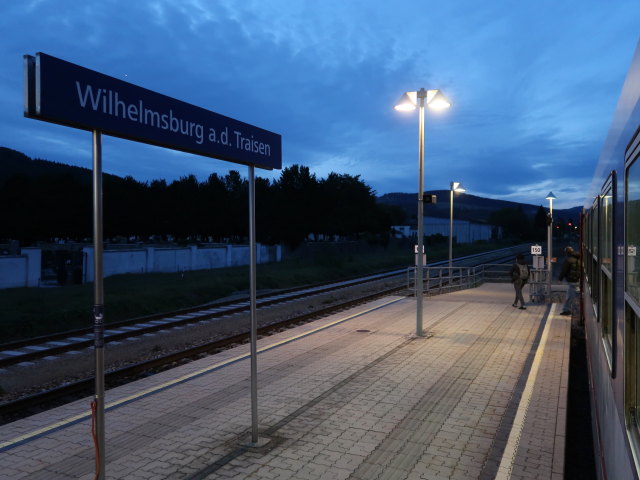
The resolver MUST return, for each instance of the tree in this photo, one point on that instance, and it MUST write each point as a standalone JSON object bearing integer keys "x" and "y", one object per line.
{"x": 212, "y": 207}
{"x": 236, "y": 207}
{"x": 297, "y": 200}
{"x": 349, "y": 204}
{"x": 266, "y": 212}
{"x": 43, "y": 200}
{"x": 515, "y": 224}
{"x": 126, "y": 207}
{"x": 182, "y": 203}
{"x": 540, "y": 224}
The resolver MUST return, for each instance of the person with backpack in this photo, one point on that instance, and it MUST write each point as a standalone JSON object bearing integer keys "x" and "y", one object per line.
{"x": 571, "y": 272}
{"x": 519, "y": 276}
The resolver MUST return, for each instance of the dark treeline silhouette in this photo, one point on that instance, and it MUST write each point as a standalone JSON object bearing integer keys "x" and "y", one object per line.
{"x": 58, "y": 204}
{"x": 517, "y": 225}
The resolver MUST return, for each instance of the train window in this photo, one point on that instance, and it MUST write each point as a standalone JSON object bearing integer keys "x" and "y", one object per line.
{"x": 606, "y": 231}
{"x": 592, "y": 248}
{"x": 606, "y": 254}
{"x": 593, "y": 259}
{"x": 632, "y": 359}
{"x": 588, "y": 240}
{"x": 606, "y": 310}
{"x": 632, "y": 234}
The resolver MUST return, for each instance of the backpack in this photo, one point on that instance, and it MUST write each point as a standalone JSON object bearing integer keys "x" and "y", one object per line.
{"x": 524, "y": 271}
{"x": 574, "y": 271}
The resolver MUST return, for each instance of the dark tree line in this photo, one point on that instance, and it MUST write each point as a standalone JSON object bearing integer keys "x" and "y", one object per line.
{"x": 517, "y": 225}
{"x": 288, "y": 210}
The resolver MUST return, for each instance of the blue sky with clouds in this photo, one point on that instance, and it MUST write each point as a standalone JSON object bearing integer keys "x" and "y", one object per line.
{"x": 533, "y": 84}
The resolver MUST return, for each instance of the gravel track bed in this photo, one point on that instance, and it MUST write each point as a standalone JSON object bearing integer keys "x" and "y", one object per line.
{"x": 26, "y": 379}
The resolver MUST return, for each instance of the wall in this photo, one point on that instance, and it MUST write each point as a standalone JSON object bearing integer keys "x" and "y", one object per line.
{"x": 21, "y": 270}
{"x": 169, "y": 260}
{"x": 24, "y": 270}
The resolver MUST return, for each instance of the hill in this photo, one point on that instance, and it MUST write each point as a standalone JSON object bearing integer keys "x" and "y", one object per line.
{"x": 469, "y": 207}
{"x": 14, "y": 163}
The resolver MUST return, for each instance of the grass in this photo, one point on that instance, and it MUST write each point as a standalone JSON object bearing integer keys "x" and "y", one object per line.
{"x": 31, "y": 312}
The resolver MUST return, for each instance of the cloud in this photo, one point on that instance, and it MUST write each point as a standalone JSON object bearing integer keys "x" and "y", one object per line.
{"x": 533, "y": 88}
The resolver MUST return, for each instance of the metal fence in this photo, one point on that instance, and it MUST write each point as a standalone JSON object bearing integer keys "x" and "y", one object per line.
{"x": 443, "y": 279}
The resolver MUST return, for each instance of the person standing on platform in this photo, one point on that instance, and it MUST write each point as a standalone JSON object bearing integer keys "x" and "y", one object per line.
{"x": 571, "y": 272}
{"x": 519, "y": 276}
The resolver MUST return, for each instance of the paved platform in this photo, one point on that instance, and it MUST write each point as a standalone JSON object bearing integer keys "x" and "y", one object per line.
{"x": 352, "y": 396}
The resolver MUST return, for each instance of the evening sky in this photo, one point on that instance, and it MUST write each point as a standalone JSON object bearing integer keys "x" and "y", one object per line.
{"x": 534, "y": 85}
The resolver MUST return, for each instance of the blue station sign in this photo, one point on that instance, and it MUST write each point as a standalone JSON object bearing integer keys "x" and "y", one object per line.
{"x": 61, "y": 92}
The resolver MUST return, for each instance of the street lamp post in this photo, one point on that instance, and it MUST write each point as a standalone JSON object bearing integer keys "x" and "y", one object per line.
{"x": 409, "y": 101}
{"x": 551, "y": 197}
{"x": 455, "y": 187}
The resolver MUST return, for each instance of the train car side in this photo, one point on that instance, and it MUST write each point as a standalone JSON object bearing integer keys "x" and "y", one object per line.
{"x": 611, "y": 289}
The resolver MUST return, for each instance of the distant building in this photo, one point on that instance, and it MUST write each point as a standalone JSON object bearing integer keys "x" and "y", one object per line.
{"x": 464, "y": 231}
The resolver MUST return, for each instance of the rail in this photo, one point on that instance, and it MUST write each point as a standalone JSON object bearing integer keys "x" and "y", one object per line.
{"x": 464, "y": 277}
{"x": 54, "y": 344}
{"x": 442, "y": 279}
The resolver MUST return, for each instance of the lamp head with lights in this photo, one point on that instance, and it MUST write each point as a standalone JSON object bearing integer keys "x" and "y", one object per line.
{"x": 408, "y": 101}
{"x": 551, "y": 197}
{"x": 457, "y": 187}
{"x": 434, "y": 99}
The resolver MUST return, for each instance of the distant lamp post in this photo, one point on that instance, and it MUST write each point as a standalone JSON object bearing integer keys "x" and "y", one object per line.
{"x": 455, "y": 187}
{"x": 409, "y": 101}
{"x": 551, "y": 197}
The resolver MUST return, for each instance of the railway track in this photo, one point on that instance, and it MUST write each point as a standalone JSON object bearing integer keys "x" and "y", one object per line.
{"x": 43, "y": 347}
{"x": 36, "y": 348}
{"x": 50, "y": 345}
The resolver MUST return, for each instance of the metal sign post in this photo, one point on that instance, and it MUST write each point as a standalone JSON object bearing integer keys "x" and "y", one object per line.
{"x": 98, "y": 303}
{"x": 254, "y": 321}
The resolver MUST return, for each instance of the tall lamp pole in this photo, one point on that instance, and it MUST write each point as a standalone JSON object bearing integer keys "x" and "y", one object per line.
{"x": 551, "y": 197}
{"x": 455, "y": 187}
{"x": 409, "y": 101}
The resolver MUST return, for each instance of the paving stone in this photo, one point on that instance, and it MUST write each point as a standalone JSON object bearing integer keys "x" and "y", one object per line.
{"x": 337, "y": 404}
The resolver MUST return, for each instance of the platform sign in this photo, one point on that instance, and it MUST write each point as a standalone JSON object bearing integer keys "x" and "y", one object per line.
{"x": 538, "y": 262}
{"x": 536, "y": 250}
{"x": 424, "y": 255}
{"x": 61, "y": 92}
{"x": 64, "y": 93}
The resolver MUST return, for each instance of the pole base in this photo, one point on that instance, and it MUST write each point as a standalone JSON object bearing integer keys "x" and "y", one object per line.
{"x": 261, "y": 443}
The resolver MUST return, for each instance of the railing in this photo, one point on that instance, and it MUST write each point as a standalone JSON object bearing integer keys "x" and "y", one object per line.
{"x": 539, "y": 287}
{"x": 437, "y": 280}
{"x": 443, "y": 279}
